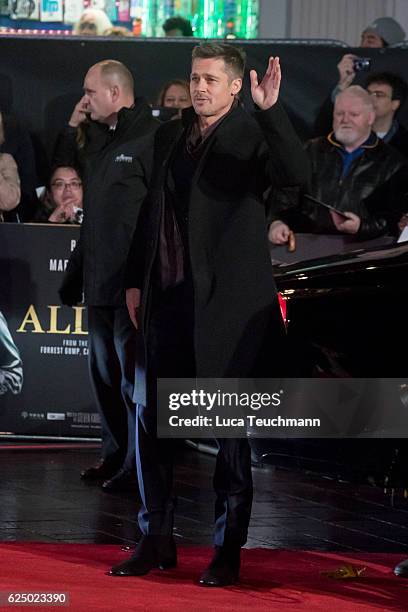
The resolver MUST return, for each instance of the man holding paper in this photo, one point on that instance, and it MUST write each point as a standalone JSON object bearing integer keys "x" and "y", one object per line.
{"x": 358, "y": 182}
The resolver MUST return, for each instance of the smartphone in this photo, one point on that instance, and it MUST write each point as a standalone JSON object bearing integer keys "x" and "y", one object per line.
{"x": 327, "y": 206}
{"x": 164, "y": 113}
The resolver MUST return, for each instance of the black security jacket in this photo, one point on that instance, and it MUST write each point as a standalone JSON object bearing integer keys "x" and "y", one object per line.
{"x": 116, "y": 170}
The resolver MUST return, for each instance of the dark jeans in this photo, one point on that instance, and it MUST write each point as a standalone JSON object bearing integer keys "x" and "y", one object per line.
{"x": 171, "y": 355}
{"x": 112, "y": 367}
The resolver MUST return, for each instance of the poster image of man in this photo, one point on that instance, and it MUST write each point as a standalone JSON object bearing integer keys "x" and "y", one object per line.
{"x": 11, "y": 366}
{"x": 24, "y": 9}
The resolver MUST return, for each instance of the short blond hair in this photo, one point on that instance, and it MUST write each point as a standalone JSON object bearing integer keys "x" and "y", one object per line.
{"x": 98, "y": 16}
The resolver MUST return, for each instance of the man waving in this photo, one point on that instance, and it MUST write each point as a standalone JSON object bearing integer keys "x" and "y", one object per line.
{"x": 200, "y": 284}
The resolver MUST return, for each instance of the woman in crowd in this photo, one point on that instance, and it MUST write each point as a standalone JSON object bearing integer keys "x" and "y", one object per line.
{"x": 175, "y": 94}
{"x": 62, "y": 201}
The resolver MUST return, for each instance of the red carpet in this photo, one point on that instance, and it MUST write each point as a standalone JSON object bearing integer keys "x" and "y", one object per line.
{"x": 271, "y": 580}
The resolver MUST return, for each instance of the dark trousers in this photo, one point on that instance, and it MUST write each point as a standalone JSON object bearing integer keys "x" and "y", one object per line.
{"x": 112, "y": 367}
{"x": 171, "y": 355}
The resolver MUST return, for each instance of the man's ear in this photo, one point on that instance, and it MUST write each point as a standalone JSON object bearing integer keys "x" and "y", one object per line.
{"x": 395, "y": 104}
{"x": 236, "y": 86}
{"x": 114, "y": 93}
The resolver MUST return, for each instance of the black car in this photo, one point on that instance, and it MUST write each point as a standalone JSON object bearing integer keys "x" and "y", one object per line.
{"x": 346, "y": 317}
{"x": 346, "y": 314}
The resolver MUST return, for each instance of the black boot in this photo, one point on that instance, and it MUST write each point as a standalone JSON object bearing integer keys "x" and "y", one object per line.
{"x": 224, "y": 567}
{"x": 151, "y": 552}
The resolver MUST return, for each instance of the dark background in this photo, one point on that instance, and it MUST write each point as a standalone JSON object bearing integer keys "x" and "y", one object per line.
{"x": 41, "y": 79}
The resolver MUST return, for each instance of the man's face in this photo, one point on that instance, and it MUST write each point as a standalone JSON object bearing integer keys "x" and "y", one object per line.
{"x": 98, "y": 96}
{"x": 352, "y": 120}
{"x": 66, "y": 187}
{"x": 212, "y": 88}
{"x": 381, "y": 95}
{"x": 371, "y": 40}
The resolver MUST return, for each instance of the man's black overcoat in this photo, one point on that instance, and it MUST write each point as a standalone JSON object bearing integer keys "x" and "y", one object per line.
{"x": 237, "y": 321}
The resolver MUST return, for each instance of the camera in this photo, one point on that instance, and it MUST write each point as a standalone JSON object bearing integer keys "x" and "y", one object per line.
{"x": 78, "y": 215}
{"x": 362, "y": 64}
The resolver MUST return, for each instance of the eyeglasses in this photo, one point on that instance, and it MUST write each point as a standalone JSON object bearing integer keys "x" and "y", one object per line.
{"x": 379, "y": 94}
{"x": 60, "y": 185}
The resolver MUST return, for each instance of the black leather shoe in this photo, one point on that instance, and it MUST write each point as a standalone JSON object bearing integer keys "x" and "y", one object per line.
{"x": 124, "y": 480}
{"x": 401, "y": 569}
{"x": 223, "y": 569}
{"x": 151, "y": 552}
{"x": 100, "y": 471}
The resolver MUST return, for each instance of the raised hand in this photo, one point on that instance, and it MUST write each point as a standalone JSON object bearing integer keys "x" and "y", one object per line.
{"x": 265, "y": 94}
{"x": 346, "y": 71}
{"x": 79, "y": 113}
{"x": 63, "y": 213}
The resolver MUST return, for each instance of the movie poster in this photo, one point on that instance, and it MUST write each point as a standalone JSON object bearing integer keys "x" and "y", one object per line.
{"x": 24, "y": 9}
{"x": 44, "y": 386}
{"x": 136, "y": 9}
{"x": 111, "y": 10}
{"x": 123, "y": 10}
{"x": 98, "y": 4}
{"x": 73, "y": 9}
{"x": 51, "y": 10}
{"x": 5, "y": 7}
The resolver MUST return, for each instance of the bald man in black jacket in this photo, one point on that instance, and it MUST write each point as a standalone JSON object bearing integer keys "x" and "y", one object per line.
{"x": 116, "y": 162}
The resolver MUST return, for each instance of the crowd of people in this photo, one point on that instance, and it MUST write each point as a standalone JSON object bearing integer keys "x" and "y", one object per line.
{"x": 24, "y": 199}
{"x": 358, "y": 133}
{"x": 95, "y": 22}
